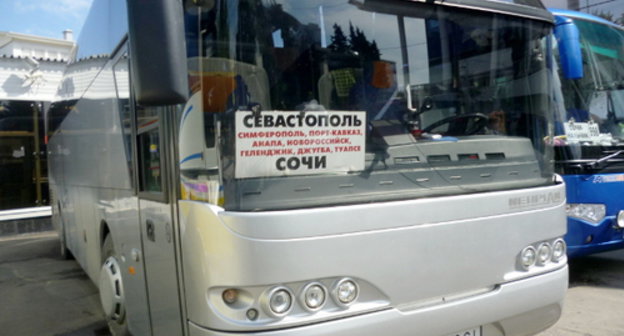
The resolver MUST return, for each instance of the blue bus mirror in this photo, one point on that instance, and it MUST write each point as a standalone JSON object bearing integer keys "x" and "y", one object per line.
{"x": 568, "y": 40}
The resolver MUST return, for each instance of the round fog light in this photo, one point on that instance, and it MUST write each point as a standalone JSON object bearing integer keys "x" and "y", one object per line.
{"x": 346, "y": 292}
{"x": 620, "y": 219}
{"x": 559, "y": 250}
{"x": 544, "y": 253}
{"x": 314, "y": 295}
{"x": 280, "y": 301}
{"x": 528, "y": 256}
{"x": 230, "y": 296}
{"x": 252, "y": 314}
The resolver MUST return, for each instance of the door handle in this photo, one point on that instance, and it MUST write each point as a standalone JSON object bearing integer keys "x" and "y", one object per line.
{"x": 150, "y": 230}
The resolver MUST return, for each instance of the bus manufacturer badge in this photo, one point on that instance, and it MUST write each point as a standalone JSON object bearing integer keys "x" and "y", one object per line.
{"x": 536, "y": 200}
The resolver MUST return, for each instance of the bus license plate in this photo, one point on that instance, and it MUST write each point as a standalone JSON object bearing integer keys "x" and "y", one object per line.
{"x": 469, "y": 332}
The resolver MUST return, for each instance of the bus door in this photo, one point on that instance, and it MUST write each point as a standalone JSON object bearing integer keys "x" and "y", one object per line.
{"x": 157, "y": 222}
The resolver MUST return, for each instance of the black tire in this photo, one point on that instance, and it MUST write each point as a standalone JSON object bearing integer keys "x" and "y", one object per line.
{"x": 117, "y": 327}
{"x": 65, "y": 252}
{"x": 57, "y": 217}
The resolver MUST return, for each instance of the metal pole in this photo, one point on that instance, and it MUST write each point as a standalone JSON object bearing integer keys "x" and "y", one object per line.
{"x": 37, "y": 154}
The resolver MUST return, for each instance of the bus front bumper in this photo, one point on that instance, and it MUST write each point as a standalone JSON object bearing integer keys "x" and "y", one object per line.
{"x": 584, "y": 238}
{"x": 522, "y": 307}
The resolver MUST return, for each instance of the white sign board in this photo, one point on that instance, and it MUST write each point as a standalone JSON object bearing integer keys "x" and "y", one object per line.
{"x": 581, "y": 132}
{"x": 285, "y": 143}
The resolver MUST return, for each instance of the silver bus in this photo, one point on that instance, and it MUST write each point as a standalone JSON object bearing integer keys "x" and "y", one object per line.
{"x": 322, "y": 167}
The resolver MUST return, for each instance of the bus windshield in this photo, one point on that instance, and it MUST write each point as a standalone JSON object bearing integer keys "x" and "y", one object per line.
{"x": 592, "y": 122}
{"x": 603, "y": 47}
{"x": 304, "y": 104}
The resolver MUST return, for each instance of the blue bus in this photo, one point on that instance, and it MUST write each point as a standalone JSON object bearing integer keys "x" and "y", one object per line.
{"x": 589, "y": 150}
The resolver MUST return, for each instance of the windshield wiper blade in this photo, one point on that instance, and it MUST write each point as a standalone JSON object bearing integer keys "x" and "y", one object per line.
{"x": 616, "y": 84}
{"x": 602, "y": 162}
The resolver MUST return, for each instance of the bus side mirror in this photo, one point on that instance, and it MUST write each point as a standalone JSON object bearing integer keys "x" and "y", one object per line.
{"x": 157, "y": 52}
{"x": 568, "y": 40}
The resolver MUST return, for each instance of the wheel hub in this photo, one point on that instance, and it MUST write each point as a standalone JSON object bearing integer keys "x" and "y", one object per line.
{"x": 111, "y": 290}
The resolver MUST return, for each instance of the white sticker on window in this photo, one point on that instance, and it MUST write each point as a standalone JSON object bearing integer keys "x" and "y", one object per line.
{"x": 283, "y": 143}
{"x": 585, "y": 132}
{"x": 579, "y": 131}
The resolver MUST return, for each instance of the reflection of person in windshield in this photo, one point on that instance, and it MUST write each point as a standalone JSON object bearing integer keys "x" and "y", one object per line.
{"x": 496, "y": 122}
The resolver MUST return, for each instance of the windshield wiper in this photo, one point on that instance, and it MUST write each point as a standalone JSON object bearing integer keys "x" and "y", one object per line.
{"x": 600, "y": 163}
{"x": 616, "y": 84}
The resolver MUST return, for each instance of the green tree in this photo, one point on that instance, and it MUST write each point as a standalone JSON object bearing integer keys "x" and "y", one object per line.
{"x": 356, "y": 43}
{"x": 359, "y": 44}
{"x": 339, "y": 42}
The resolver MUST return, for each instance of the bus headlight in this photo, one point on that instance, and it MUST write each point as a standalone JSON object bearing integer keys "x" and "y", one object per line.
{"x": 278, "y": 301}
{"x": 528, "y": 256}
{"x": 544, "y": 253}
{"x": 345, "y": 292}
{"x": 590, "y": 212}
{"x": 313, "y": 296}
{"x": 559, "y": 250}
{"x": 620, "y": 219}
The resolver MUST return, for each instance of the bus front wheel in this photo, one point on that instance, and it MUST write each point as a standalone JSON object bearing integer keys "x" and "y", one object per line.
{"x": 112, "y": 291}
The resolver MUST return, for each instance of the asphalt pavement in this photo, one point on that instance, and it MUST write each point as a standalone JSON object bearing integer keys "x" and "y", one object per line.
{"x": 594, "y": 304}
{"x": 41, "y": 294}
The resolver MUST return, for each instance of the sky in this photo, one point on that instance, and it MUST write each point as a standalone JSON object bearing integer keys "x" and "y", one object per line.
{"x": 48, "y": 18}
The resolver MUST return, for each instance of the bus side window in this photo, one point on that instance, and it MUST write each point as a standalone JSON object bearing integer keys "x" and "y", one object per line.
{"x": 120, "y": 73}
{"x": 149, "y": 151}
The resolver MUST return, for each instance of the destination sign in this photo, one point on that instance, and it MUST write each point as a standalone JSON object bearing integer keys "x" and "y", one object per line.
{"x": 285, "y": 143}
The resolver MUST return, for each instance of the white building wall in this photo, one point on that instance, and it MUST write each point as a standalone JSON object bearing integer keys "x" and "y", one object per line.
{"x": 37, "y": 50}
{"x": 22, "y": 45}
{"x": 21, "y": 81}
{"x": 79, "y": 77}
{"x": 31, "y": 67}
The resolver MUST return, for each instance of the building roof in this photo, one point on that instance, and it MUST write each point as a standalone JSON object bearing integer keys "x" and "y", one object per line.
{"x": 36, "y": 58}
{"x": 33, "y": 38}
